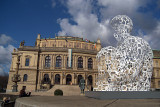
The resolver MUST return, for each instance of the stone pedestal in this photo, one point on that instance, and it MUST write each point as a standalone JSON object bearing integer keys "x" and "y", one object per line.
{"x": 14, "y": 88}
{"x": 123, "y": 94}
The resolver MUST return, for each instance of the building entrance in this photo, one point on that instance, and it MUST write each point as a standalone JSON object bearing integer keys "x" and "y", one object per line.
{"x": 68, "y": 79}
{"x": 57, "y": 79}
{"x": 79, "y": 78}
{"x": 90, "y": 80}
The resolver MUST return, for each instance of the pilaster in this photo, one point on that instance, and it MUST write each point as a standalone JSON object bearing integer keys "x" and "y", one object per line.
{"x": 53, "y": 61}
{"x": 61, "y": 79}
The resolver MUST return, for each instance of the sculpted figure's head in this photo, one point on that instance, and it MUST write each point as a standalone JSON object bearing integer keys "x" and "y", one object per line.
{"x": 122, "y": 24}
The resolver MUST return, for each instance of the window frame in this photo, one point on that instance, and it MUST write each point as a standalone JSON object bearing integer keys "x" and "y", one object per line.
{"x": 80, "y": 62}
{"x": 48, "y": 61}
{"x": 27, "y": 61}
{"x": 90, "y": 63}
{"x": 58, "y": 62}
{"x": 46, "y": 78}
{"x": 25, "y": 78}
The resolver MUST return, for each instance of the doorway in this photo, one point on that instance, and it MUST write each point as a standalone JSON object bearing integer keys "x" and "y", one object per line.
{"x": 68, "y": 79}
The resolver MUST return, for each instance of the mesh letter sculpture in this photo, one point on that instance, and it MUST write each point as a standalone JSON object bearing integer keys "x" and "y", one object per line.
{"x": 127, "y": 67}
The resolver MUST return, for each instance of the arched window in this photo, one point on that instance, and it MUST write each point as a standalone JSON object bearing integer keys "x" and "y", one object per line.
{"x": 71, "y": 62}
{"x": 46, "y": 78}
{"x": 90, "y": 63}
{"x": 57, "y": 79}
{"x": 80, "y": 62}
{"x": 25, "y": 77}
{"x": 58, "y": 61}
{"x": 47, "y": 61}
{"x": 27, "y": 62}
{"x": 79, "y": 78}
{"x": 90, "y": 80}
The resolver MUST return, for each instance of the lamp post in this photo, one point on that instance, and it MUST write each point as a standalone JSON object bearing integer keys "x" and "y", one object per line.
{"x": 16, "y": 77}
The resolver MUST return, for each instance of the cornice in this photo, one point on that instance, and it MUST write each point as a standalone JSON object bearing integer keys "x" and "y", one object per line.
{"x": 57, "y": 49}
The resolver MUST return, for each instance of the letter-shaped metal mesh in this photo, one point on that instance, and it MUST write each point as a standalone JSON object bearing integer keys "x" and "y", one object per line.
{"x": 127, "y": 67}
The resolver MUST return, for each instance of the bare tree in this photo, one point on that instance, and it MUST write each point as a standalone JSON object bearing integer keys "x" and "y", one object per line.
{"x": 3, "y": 82}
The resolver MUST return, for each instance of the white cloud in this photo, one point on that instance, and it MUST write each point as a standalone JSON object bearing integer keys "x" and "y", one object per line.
{"x": 4, "y": 39}
{"x": 90, "y": 24}
{"x": 2, "y": 72}
{"x": 87, "y": 24}
{"x": 5, "y": 53}
{"x": 5, "y": 59}
{"x": 154, "y": 37}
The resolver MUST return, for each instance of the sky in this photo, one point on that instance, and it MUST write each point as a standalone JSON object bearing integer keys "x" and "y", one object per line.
{"x": 25, "y": 19}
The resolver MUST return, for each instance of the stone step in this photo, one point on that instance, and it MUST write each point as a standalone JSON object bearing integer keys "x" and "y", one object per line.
{"x": 68, "y": 90}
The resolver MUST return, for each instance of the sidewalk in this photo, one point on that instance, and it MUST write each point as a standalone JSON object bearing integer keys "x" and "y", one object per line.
{"x": 81, "y": 101}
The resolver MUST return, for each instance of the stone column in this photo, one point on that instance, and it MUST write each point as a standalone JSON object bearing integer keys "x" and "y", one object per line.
{"x": 75, "y": 62}
{"x": 63, "y": 61}
{"x": 35, "y": 60}
{"x": 51, "y": 66}
{"x": 42, "y": 61}
{"x": 72, "y": 61}
{"x": 61, "y": 79}
{"x": 76, "y": 79}
{"x": 53, "y": 77}
{"x": 96, "y": 76}
{"x": 50, "y": 75}
{"x": 20, "y": 65}
{"x": 94, "y": 62}
{"x": 84, "y": 62}
{"x": 86, "y": 79}
{"x": 41, "y": 77}
{"x": 53, "y": 61}
{"x": 64, "y": 78}
{"x": 93, "y": 80}
{"x": 72, "y": 74}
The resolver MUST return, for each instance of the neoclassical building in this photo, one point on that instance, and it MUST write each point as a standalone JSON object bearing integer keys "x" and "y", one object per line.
{"x": 155, "y": 82}
{"x": 63, "y": 61}
{"x": 46, "y": 64}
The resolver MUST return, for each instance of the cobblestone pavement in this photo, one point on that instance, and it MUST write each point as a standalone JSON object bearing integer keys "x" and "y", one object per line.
{"x": 82, "y": 101}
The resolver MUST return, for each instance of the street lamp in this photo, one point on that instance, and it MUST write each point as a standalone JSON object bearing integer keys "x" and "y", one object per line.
{"x": 16, "y": 77}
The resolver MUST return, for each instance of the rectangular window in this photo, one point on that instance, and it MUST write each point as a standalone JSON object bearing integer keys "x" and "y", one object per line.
{"x": 27, "y": 62}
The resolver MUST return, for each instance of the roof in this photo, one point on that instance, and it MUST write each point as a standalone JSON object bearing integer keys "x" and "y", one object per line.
{"x": 67, "y": 38}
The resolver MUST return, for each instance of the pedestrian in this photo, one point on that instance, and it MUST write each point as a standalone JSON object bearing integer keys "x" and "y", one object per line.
{"x": 23, "y": 92}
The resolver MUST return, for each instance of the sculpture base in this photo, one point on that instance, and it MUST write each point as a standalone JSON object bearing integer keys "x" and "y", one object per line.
{"x": 123, "y": 94}
{"x": 14, "y": 88}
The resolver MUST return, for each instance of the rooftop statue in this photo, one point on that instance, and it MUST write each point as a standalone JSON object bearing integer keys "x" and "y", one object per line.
{"x": 127, "y": 67}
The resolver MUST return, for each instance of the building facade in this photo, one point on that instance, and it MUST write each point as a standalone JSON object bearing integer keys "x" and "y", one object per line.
{"x": 46, "y": 64}
{"x": 155, "y": 82}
